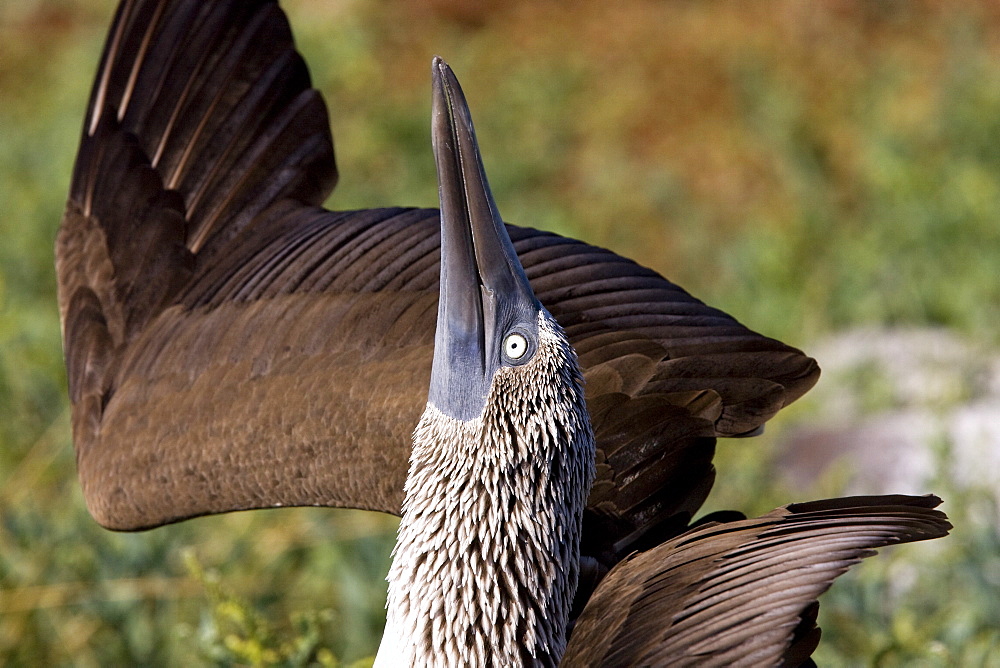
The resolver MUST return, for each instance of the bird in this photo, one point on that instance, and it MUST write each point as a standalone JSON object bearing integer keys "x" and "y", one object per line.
{"x": 232, "y": 345}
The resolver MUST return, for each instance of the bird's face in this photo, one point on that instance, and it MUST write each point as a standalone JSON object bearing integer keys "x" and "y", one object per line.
{"x": 488, "y": 316}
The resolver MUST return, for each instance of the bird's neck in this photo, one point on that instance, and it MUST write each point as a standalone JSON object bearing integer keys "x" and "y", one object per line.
{"x": 486, "y": 562}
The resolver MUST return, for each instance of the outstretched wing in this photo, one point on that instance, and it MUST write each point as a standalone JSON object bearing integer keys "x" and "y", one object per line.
{"x": 740, "y": 593}
{"x": 231, "y": 345}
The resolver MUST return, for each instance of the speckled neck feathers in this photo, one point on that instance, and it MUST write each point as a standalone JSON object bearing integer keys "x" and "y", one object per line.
{"x": 486, "y": 563}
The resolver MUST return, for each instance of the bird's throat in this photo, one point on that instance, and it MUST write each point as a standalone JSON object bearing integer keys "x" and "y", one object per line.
{"x": 486, "y": 562}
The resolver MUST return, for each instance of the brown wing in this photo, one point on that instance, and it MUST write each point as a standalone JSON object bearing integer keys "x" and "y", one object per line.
{"x": 201, "y": 115}
{"x": 743, "y": 592}
{"x": 230, "y": 345}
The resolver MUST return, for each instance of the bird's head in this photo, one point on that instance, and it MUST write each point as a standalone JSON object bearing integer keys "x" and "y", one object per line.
{"x": 496, "y": 347}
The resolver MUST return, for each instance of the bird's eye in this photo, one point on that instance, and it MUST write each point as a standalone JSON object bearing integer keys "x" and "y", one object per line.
{"x": 515, "y": 346}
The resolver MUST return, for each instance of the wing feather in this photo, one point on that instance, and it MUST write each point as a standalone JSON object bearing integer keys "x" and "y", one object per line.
{"x": 740, "y": 593}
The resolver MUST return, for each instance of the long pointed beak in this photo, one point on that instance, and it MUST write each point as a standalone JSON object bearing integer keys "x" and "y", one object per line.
{"x": 484, "y": 291}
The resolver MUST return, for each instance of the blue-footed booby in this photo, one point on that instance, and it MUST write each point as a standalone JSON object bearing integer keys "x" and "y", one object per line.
{"x": 230, "y": 345}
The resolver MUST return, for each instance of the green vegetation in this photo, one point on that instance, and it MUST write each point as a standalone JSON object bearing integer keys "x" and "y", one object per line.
{"x": 808, "y": 167}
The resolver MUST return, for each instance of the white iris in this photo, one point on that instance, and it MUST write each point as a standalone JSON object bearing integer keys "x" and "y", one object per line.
{"x": 515, "y": 346}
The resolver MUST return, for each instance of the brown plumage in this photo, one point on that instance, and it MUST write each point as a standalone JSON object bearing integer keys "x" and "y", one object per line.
{"x": 231, "y": 345}
{"x": 720, "y": 594}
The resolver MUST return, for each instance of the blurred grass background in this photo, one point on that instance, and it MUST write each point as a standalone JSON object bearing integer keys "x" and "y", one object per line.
{"x": 808, "y": 167}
